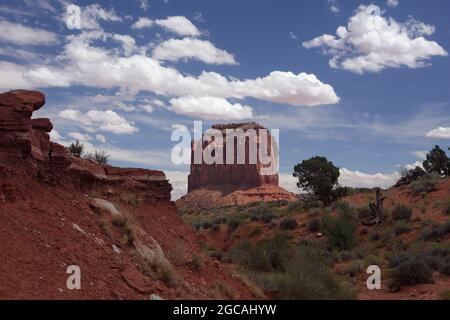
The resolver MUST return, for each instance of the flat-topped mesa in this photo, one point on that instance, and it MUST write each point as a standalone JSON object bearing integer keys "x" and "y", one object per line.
{"x": 228, "y": 177}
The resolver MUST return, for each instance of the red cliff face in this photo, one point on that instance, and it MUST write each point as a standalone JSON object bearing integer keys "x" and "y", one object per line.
{"x": 117, "y": 224}
{"x": 231, "y": 177}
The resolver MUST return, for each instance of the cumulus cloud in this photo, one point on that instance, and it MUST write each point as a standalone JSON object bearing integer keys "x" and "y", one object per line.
{"x": 142, "y": 23}
{"x": 440, "y": 133}
{"x": 83, "y": 64}
{"x": 176, "y": 24}
{"x": 19, "y": 34}
{"x": 95, "y": 120}
{"x": 210, "y": 108}
{"x": 392, "y": 3}
{"x": 371, "y": 42}
{"x": 359, "y": 179}
{"x": 192, "y": 49}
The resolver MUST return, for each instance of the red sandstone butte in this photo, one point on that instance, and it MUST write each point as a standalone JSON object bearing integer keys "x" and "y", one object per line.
{"x": 212, "y": 185}
{"x": 230, "y": 177}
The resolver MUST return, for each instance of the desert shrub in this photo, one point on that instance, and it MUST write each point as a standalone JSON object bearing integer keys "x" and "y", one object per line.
{"x": 267, "y": 218}
{"x": 343, "y": 207}
{"x": 410, "y": 272}
{"x": 266, "y": 256}
{"x": 401, "y": 227}
{"x": 215, "y": 227}
{"x": 401, "y": 212}
{"x": 408, "y": 176}
{"x": 295, "y": 206}
{"x": 77, "y": 148}
{"x": 196, "y": 263}
{"x": 353, "y": 268}
{"x": 435, "y": 232}
{"x": 99, "y": 156}
{"x": 305, "y": 276}
{"x": 233, "y": 223}
{"x": 288, "y": 224}
{"x": 341, "y": 231}
{"x": 314, "y": 225}
{"x": 425, "y": 185}
{"x": 128, "y": 228}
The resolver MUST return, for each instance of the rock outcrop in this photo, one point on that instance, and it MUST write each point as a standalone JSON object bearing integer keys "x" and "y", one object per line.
{"x": 117, "y": 224}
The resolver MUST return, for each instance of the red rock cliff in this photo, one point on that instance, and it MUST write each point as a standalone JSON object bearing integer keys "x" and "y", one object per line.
{"x": 231, "y": 177}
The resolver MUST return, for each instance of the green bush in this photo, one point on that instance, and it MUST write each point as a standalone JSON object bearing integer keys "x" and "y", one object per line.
{"x": 425, "y": 185}
{"x": 340, "y": 231}
{"x": 288, "y": 224}
{"x": 411, "y": 272}
{"x": 401, "y": 212}
{"x": 99, "y": 156}
{"x": 76, "y": 149}
{"x": 435, "y": 232}
{"x": 401, "y": 227}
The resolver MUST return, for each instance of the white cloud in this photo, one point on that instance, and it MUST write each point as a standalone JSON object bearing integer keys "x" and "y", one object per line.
{"x": 392, "y": 3}
{"x": 359, "y": 179}
{"x": 142, "y": 23}
{"x": 192, "y": 49}
{"x": 371, "y": 43}
{"x": 79, "y": 136}
{"x": 334, "y": 6}
{"x": 100, "y": 138}
{"x": 92, "y": 14}
{"x": 95, "y": 120}
{"x": 348, "y": 178}
{"x": 179, "y": 182}
{"x": 420, "y": 154}
{"x": 210, "y": 108}
{"x": 128, "y": 43}
{"x": 177, "y": 24}
{"x": 19, "y": 34}
{"x": 55, "y": 136}
{"x": 83, "y": 64}
{"x": 440, "y": 133}
{"x": 144, "y": 4}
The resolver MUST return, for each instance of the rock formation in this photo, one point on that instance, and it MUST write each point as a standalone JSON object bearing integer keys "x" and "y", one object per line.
{"x": 215, "y": 184}
{"x": 118, "y": 225}
{"x": 230, "y": 177}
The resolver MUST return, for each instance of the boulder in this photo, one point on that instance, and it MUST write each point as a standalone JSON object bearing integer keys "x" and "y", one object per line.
{"x": 103, "y": 206}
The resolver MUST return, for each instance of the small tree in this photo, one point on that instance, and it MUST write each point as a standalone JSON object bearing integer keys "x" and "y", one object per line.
{"x": 77, "y": 148}
{"x": 318, "y": 176}
{"x": 437, "y": 162}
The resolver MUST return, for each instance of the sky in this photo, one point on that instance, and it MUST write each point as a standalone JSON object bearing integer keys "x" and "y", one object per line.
{"x": 365, "y": 84}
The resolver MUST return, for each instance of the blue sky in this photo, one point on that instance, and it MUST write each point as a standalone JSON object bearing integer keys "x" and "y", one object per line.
{"x": 372, "y": 95}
